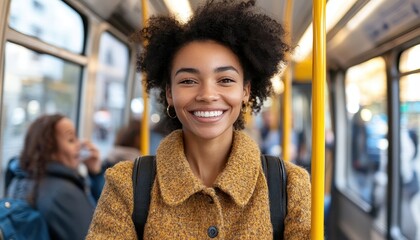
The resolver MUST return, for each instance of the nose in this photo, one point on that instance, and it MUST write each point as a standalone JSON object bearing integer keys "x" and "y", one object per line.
{"x": 207, "y": 92}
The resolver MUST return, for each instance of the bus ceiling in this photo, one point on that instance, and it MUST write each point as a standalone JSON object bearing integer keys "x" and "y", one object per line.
{"x": 358, "y": 28}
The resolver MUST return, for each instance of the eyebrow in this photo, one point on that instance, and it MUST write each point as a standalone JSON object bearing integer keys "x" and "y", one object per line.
{"x": 217, "y": 70}
{"x": 226, "y": 68}
{"x": 69, "y": 132}
{"x": 187, "y": 70}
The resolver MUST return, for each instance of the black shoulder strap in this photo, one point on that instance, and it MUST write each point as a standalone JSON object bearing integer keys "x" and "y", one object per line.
{"x": 144, "y": 172}
{"x": 275, "y": 174}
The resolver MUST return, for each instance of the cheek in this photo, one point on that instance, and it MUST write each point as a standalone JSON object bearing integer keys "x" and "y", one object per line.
{"x": 180, "y": 98}
{"x": 236, "y": 100}
{"x": 70, "y": 150}
{"x": 75, "y": 149}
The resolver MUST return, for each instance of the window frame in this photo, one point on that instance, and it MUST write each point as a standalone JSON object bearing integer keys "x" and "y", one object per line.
{"x": 397, "y": 180}
{"x": 94, "y": 25}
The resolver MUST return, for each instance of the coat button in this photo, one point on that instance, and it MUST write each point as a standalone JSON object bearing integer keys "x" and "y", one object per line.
{"x": 212, "y": 232}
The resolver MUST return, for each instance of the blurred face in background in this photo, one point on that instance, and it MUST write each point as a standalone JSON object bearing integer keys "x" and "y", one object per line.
{"x": 269, "y": 119}
{"x": 68, "y": 145}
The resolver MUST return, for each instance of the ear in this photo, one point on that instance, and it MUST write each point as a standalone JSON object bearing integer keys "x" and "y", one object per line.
{"x": 169, "y": 95}
{"x": 247, "y": 91}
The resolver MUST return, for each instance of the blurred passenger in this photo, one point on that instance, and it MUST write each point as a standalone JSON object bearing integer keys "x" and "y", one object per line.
{"x": 53, "y": 185}
{"x": 127, "y": 144}
{"x": 368, "y": 156}
{"x": 303, "y": 155}
{"x": 102, "y": 120}
{"x": 415, "y": 183}
{"x": 360, "y": 160}
{"x": 209, "y": 179}
{"x": 409, "y": 178}
{"x": 415, "y": 138}
{"x": 408, "y": 156}
{"x": 270, "y": 134}
{"x": 126, "y": 147}
{"x": 157, "y": 133}
{"x": 13, "y": 170}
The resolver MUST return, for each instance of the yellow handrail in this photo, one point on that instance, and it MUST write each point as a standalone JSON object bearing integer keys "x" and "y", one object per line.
{"x": 318, "y": 121}
{"x": 287, "y": 94}
{"x": 144, "y": 143}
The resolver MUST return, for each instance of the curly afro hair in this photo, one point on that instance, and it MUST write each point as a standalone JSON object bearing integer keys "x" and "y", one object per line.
{"x": 257, "y": 40}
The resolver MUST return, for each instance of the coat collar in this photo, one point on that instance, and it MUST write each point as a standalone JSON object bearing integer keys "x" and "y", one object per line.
{"x": 57, "y": 169}
{"x": 177, "y": 182}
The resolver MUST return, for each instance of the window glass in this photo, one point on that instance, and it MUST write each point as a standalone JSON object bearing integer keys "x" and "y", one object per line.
{"x": 137, "y": 104}
{"x": 51, "y": 21}
{"x": 329, "y": 153}
{"x": 39, "y": 84}
{"x": 111, "y": 92}
{"x": 366, "y": 175}
{"x": 409, "y": 142}
{"x": 408, "y": 61}
{"x": 301, "y": 133}
{"x": 157, "y": 117}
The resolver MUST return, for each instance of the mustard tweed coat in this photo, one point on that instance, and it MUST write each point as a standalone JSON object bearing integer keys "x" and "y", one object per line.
{"x": 181, "y": 207}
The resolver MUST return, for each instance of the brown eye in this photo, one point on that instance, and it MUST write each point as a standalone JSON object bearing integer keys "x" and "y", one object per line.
{"x": 226, "y": 80}
{"x": 187, "y": 81}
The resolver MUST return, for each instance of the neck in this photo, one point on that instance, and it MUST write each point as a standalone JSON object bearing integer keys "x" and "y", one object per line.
{"x": 207, "y": 158}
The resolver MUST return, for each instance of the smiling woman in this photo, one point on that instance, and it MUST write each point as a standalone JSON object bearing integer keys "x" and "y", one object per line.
{"x": 209, "y": 178}
{"x": 207, "y": 90}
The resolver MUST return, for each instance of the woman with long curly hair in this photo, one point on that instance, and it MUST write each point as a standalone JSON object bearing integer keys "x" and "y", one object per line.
{"x": 50, "y": 160}
{"x": 209, "y": 179}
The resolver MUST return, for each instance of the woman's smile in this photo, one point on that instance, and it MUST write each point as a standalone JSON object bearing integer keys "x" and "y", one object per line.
{"x": 207, "y": 114}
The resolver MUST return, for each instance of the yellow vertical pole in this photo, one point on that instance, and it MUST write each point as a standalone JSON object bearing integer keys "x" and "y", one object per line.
{"x": 287, "y": 94}
{"x": 144, "y": 143}
{"x": 318, "y": 121}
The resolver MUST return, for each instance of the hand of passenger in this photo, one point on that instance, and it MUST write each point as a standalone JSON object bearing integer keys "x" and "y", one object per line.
{"x": 93, "y": 161}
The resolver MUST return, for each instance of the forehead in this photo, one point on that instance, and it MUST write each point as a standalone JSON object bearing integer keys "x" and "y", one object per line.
{"x": 64, "y": 126}
{"x": 205, "y": 52}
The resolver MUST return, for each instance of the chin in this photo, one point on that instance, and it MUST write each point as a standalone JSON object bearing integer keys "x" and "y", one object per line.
{"x": 210, "y": 134}
{"x": 73, "y": 164}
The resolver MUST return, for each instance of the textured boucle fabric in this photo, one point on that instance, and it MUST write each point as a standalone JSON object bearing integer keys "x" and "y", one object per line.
{"x": 183, "y": 208}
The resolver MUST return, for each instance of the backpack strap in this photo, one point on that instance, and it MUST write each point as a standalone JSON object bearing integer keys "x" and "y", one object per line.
{"x": 275, "y": 174}
{"x": 144, "y": 172}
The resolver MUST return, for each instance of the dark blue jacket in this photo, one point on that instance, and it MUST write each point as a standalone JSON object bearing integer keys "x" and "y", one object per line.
{"x": 63, "y": 198}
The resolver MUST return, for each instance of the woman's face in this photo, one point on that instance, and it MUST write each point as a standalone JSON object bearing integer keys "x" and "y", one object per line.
{"x": 68, "y": 145}
{"x": 207, "y": 89}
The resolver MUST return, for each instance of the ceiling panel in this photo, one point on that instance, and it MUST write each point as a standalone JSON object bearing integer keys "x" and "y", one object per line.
{"x": 128, "y": 12}
{"x": 302, "y": 13}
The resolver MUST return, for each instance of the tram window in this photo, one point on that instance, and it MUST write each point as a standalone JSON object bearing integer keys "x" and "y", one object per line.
{"x": 301, "y": 125}
{"x": 38, "y": 84}
{"x": 366, "y": 110}
{"x": 51, "y": 21}
{"x": 409, "y": 142}
{"x": 110, "y": 96}
{"x": 407, "y": 62}
{"x": 137, "y": 104}
{"x": 156, "y": 120}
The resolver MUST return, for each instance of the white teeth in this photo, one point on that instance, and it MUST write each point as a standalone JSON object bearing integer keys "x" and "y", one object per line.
{"x": 208, "y": 114}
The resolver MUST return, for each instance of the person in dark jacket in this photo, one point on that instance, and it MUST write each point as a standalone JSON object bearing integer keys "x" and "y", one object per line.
{"x": 126, "y": 147}
{"x": 127, "y": 144}
{"x": 53, "y": 184}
